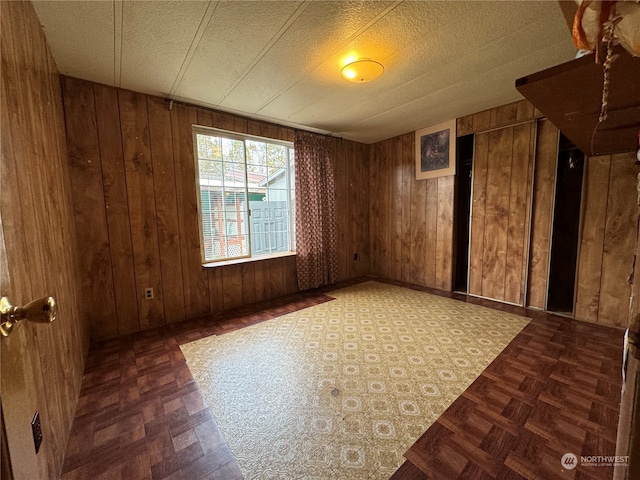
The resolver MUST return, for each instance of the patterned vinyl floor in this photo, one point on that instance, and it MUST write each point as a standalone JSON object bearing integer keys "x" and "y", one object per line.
{"x": 344, "y": 388}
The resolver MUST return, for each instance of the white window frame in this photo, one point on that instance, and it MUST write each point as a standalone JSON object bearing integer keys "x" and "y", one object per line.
{"x": 290, "y": 189}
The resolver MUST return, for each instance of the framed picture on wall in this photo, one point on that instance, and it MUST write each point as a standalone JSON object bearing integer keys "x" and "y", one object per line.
{"x": 436, "y": 151}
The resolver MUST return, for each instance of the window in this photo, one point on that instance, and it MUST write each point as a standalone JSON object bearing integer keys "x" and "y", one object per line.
{"x": 246, "y": 195}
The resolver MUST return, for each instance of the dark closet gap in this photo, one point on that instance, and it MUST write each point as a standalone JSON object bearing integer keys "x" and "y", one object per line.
{"x": 566, "y": 224}
{"x": 462, "y": 210}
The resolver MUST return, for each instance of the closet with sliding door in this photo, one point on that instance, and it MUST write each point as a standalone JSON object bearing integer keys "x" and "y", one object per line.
{"x": 548, "y": 227}
{"x": 525, "y": 210}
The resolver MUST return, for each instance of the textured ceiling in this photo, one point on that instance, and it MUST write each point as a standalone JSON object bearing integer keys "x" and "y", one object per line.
{"x": 280, "y": 61}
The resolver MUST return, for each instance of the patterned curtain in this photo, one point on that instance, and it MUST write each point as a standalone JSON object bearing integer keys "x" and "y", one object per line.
{"x": 316, "y": 251}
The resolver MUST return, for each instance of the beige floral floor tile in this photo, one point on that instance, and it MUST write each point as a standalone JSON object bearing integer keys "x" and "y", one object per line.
{"x": 342, "y": 389}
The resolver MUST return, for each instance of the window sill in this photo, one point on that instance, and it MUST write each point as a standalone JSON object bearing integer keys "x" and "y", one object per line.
{"x": 239, "y": 261}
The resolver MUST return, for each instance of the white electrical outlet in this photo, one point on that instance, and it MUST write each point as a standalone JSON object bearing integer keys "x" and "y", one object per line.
{"x": 148, "y": 293}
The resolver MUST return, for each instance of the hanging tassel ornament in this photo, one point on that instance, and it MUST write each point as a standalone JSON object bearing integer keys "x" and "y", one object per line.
{"x": 589, "y": 25}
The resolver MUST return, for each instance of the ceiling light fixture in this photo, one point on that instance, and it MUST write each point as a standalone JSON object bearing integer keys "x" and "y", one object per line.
{"x": 362, "y": 70}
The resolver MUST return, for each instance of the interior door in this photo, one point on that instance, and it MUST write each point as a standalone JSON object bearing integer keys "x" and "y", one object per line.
{"x": 502, "y": 173}
{"x": 18, "y": 395}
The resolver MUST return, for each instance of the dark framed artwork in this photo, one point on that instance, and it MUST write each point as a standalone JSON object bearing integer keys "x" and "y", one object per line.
{"x": 436, "y": 151}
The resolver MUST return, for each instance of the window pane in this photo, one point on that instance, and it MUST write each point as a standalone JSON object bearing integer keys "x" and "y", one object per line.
{"x": 238, "y": 176}
{"x": 256, "y": 153}
{"x": 232, "y": 150}
{"x": 276, "y": 156}
{"x": 209, "y": 147}
{"x": 234, "y": 176}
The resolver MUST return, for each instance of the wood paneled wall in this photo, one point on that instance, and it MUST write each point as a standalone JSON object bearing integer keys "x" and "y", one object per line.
{"x": 607, "y": 239}
{"x": 134, "y": 192}
{"x": 502, "y": 172}
{"x": 546, "y": 166}
{"x": 351, "y": 170}
{"x": 42, "y": 365}
{"x": 607, "y": 226}
{"x": 501, "y": 229}
{"x": 411, "y": 221}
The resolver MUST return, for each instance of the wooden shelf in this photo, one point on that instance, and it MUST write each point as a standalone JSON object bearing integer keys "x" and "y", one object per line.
{"x": 570, "y": 96}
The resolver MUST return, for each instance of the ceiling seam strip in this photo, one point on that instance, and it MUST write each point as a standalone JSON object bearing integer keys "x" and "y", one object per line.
{"x": 294, "y": 16}
{"x": 204, "y": 23}
{"x": 351, "y": 38}
{"x": 117, "y": 42}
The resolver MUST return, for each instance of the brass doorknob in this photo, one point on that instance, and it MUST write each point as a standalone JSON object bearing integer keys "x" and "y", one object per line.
{"x": 42, "y": 310}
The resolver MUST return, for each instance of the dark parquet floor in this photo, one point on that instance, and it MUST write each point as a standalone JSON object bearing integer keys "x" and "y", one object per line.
{"x": 554, "y": 389}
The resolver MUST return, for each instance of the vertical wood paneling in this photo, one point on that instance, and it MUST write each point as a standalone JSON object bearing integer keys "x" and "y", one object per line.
{"x": 248, "y": 283}
{"x": 164, "y": 186}
{"x": 594, "y": 215}
{"x": 51, "y": 204}
{"x": 395, "y": 207}
{"x": 430, "y": 232}
{"x": 42, "y": 365}
{"x": 497, "y": 213}
{"x": 352, "y": 208}
{"x": 444, "y": 235}
{"x": 502, "y": 166}
{"x": 528, "y": 215}
{"x": 482, "y": 121}
{"x": 290, "y": 277}
{"x": 511, "y": 216}
{"x": 524, "y": 110}
{"x": 360, "y": 216}
{"x": 364, "y": 239}
{"x": 607, "y": 239}
{"x": 353, "y": 198}
{"x": 194, "y": 276}
{"x": 21, "y": 391}
{"x": 374, "y": 210}
{"x": 518, "y": 214}
{"x": 411, "y": 221}
{"x": 503, "y": 115}
{"x": 117, "y": 207}
{"x": 408, "y": 169}
{"x": 216, "y": 302}
{"x": 73, "y": 337}
{"x": 542, "y": 215}
{"x": 232, "y": 286}
{"x": 277, "y": 276}
{"x": 418, "y": 234}
{"x": 464, "y": 125}
{"x": 240, "y": 125}
{"x": 619, "y": 242}
{"x": 479, "y": 199}
{"x": 384, "y": 222}
{"x": 164, "y": 137}
{"x": 89, "y": 207}
{"x": 204, "y": 117}
{"x": 13, "y": 115}
{"x": 134, "y": 121}
{"x": 376, "y": 203}
{"x": 262, "y": 277}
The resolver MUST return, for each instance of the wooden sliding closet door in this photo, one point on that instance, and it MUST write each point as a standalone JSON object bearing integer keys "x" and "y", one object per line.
{"x": 502, "y": 172}
{"x": 542, "y": 213}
